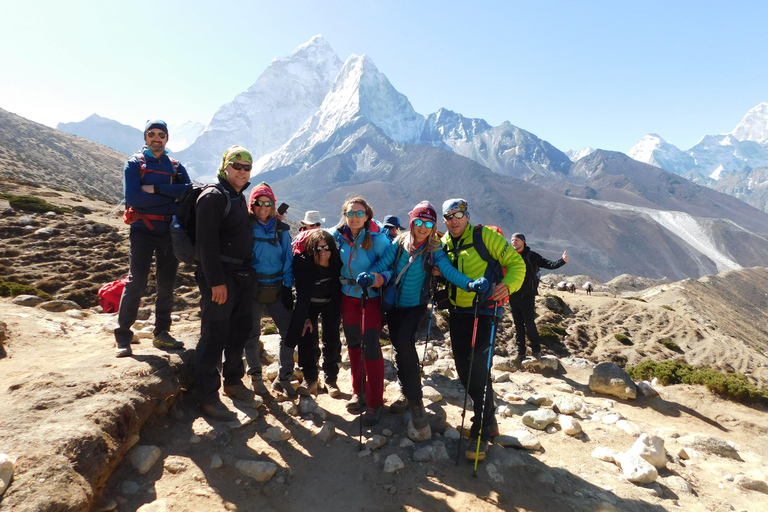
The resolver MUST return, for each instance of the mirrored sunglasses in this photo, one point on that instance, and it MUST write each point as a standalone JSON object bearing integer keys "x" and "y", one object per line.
{"x": 426, "y": 223}
{"x": 258, "y": 202}
{"x": 458, "y": 215}
{"x": 323, "y": 248}
{"x": 241, "y": 167}
{"x": 152, "y": 135}
{"x": 359, "y": 214}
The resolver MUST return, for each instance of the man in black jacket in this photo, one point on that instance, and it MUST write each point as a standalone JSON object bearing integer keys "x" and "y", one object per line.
{"x": 523, "y": 302}
{"x": 225, "y": 278}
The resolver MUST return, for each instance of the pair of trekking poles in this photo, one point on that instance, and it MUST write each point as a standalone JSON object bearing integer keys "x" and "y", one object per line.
{"x": 469, "y": 376}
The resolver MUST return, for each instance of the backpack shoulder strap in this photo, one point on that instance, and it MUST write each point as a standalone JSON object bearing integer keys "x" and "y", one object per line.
{"x": 479, "y": 245}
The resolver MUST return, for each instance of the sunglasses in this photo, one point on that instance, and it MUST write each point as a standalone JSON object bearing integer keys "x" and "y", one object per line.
{"x": 241, "y": 167}
{"x": 258, "y": 202}
{"x": 359, "y": 214}
{"x": 152, "y": 135}
{"x": 323, "y": 248}
{"x": 426, "y": 223}
{"x": 458, "y": 215}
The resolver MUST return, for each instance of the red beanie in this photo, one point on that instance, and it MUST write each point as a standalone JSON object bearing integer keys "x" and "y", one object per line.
{"x": 262, "y": 189}
{"x": 423, "y": 210}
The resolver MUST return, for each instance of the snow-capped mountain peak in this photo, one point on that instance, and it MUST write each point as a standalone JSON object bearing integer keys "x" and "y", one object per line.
{"x": 654, "y": 150}
{"x": 576, "y": 155}
{"x": 754, "y": 125}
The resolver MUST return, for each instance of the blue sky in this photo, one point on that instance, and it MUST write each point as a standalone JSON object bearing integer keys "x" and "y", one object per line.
{"x": 589, "y": 73}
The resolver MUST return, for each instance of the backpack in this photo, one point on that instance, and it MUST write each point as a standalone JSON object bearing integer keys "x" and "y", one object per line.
{"x": 110, "y": 295}
{"x": 130, "y": 215}
{"x": 184, "y": 224}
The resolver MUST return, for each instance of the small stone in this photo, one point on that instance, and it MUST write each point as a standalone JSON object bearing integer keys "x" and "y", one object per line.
{"x": 677, "y": 483}
{"x": 261, "y": 471}
{"x": 611, "y": 418}
{"x": 376, "y": 442}
{"x": 518, "y": 439}
{"x": 155, "y": 506}
{"x": 539, "y": 400}
{"x": 216, "y": 461}
{"x": 289, "y": 408}
{"x": 393, "y": 463}
{"x": 6, "y": 472}
{"x": 393, "y": 490}
{"x": 604, "y": 453}
{"x": 494, "y": 473}
{"x": 278, "y": 434}
{"x": 567, "y": 404}
{"x": 569, "y": 425}
{"x": 364, "y": 453}
{"x": 328, "y": 432}
{"x": 406, "y": 443}
{"x": 635, "y": 468}
{"x": 452, "y": 434}
{"x": 422, "y": 454}
{"x": 129, "y": 487}
{"x": 387, "y": 432}
{"x": 629, "y": 427}
{"x": 651, "y": 448}
{"x": 194, "y": 439}
{"x": 432, "y": 394}
{"x": 439, "y": 451}
{"x": 539, "y": 419}
{"x": 174, "y": 466}
{"x": 512, "y": 397}
{"x": 751, "y": 484}
{"x": 144, "y": 457}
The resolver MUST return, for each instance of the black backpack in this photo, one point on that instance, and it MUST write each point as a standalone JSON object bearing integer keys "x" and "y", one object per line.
{"x": 183, "y": 224}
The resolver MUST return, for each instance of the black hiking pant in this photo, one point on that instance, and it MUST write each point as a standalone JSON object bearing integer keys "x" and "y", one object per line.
{"x": 142, "y": 247}
{"x": 224, "y": 330}
{"x": 523, "y": 309}
{"x": 403, "y": 327}
{"x": 461, "y": 326}
{"x": 309, "y": 344}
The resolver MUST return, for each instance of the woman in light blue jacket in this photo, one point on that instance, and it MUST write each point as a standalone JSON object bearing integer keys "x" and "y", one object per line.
{"x": 409, "y": 260}
{"x": 361, "y": 245}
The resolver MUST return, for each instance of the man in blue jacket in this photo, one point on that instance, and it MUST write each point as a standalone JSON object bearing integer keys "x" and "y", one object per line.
{"x": 153, "y": 183}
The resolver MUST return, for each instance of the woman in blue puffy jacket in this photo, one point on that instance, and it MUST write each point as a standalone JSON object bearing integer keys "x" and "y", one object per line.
{"x": 360, "y": 248}
{"x": 409, "y": 260}
{"x": 272, "y": 259}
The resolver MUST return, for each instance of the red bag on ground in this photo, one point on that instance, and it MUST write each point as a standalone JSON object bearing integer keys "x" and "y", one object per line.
{"x": 110, "y": 294}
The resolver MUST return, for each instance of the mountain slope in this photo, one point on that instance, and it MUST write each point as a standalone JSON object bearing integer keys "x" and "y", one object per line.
{"x": 106, "y": 132}
{"x": 38, "y": 154}
{"x": 266, "y": 115}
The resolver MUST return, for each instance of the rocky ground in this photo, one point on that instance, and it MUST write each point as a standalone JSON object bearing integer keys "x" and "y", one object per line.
{"x": 87, "y": 431}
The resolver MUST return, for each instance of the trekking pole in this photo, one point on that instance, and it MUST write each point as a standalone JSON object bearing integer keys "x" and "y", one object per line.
{"x": 362, "y": 360}
{"x": 469, "y": 378}
{"x": 112, "y": 211}
{"x": 426, "y": 342}
{"x": 485, "y": 389}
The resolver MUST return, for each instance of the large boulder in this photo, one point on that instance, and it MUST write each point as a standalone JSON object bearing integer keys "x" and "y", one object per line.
{"x": 610, "y": 379}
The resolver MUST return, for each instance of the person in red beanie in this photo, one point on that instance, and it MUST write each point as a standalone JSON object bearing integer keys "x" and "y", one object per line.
{"x": 272, "y": 259}
{"x": 409, "y": 261}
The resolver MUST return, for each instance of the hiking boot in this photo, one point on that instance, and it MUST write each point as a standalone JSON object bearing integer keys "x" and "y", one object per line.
{"x": 355, "y": 404}
{"x": 218, "y": 411}
{"x": 419, "y": 415}
{"x": 239, "y": 391}
{"x": 536, "y": 356}
{"x": 165, "y": 341}
{"x": 307, "y": 389}
{"x": 400, "y": 405}
{"x": 520, "y": 356}
{"x": 333, "y": 389}
{"x": 123, "y": 351}
{"x": 285, "y": 388}
{"x": 257, "y": 383}
{"x": 371, "y": 416}
{"x": 472, "y": 451}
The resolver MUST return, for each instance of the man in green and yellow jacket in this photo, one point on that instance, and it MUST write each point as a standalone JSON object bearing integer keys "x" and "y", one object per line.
{"x": 467, "y": 257}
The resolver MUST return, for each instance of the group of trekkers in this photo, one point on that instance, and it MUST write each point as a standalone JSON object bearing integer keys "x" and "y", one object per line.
{"x": 357, "y": 274}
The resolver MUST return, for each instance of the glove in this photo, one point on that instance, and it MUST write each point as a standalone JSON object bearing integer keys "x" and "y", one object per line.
{"x": 479, "y": 286}
{"x": 286, "y": 296}
{"x": 365, "y": 280}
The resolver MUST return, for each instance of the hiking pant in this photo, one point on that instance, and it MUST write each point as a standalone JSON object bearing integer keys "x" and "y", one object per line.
{"x": 403, "y": 327}
{"x": 366, "y": 362}
{"x": 223, "y": 329}
{"x": 309, "y": 349}
{"x": 282, "y": 318}
{"x": 461, "y": 326}
{"x": 142, "y": 247}
{"x": 523, "y": 309}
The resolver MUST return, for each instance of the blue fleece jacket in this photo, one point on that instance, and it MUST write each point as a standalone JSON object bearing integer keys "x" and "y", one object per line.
{"x": 168, "y": 189}
{"x": 409, "y": 290}
{"x": 270, "y": 255}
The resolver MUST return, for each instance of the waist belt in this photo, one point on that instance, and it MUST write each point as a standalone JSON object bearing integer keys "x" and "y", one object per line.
{"x": 131, "y": 215}
{"x": 315, "y": 300}
{"x": 264, "y": 277}
{"x": 350, "y": 282}
{"x": 234, "y": 261}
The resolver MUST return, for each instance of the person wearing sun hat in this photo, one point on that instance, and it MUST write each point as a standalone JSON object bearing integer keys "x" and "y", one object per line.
{"x": 311, "y": 220}
{"x": 225, "y": 278}
{"x": 272, "y": 261}
{"x": 153, "y": 183}
{"x": 409, "y": 260}
{"x": 470, "y": 327}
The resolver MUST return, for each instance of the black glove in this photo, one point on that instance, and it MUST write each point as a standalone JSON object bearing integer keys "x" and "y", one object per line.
{"x": 286, "y": 295}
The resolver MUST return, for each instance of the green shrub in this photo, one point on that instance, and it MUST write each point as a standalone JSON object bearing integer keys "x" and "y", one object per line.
{"x": 11, "y": 289}
{"x": 668, "y": 307}
{"x": 557, "y": 298}
{"x": 636, "y": 298}
{"x": 733, "y": 386}
{"x": 34, "y": 204}
{"x": 550, "y": 333}
{"x": 444, "y": 313}
{"x": 671, "y": 345}
{"x": 270, "y": 329}
{"x": 623, "y": 339}
{"x": 82, "y": 209}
